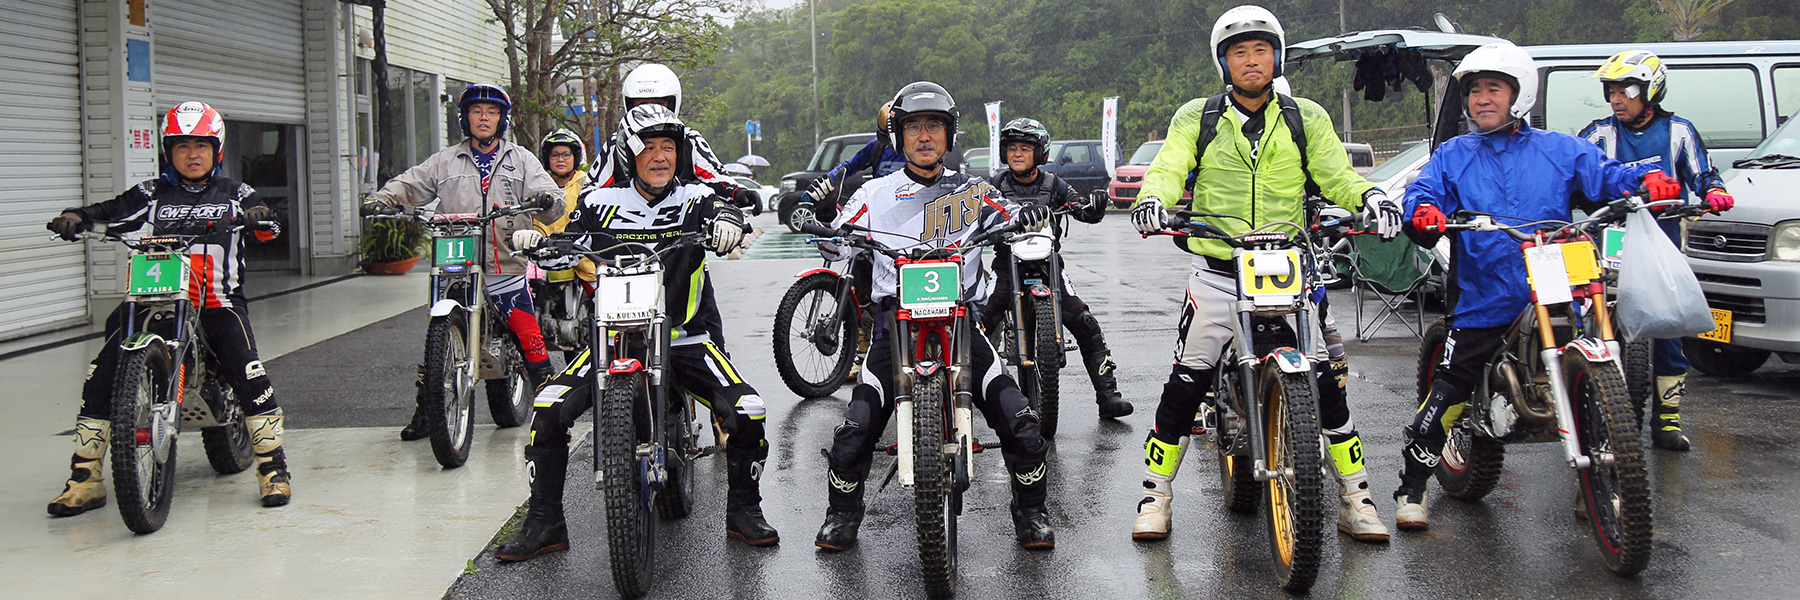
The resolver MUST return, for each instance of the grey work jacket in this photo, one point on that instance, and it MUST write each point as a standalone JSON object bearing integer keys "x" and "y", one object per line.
{"x": 451, "y": 175}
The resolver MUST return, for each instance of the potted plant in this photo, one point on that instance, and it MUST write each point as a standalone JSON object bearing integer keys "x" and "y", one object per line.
{"x": 392, "y": 247}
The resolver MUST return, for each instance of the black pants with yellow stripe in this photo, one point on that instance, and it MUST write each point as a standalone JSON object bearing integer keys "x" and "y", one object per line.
{"x": 699, "y": 370}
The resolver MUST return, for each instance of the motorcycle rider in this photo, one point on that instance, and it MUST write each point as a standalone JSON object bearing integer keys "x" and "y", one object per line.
{"x": 483, "y": 170}
{"x": 655, "y": 210}
{"x": 1505, "y": 167}
{"x": 930, "y": 202}
{"x": 1640, "y": 131}
{"x": 1252, "y": 169}
{"x": 825, "y": 208}
{"x": 1025, "y": 144}
{"x": 185, "y": 199}
{"x": 655, "y": 83}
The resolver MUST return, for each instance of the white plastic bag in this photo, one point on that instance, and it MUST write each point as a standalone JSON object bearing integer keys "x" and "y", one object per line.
{"x": 1659, "y": 297}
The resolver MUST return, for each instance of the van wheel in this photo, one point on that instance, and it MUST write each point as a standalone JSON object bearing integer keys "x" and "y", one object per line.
{"x": 1722, "y": 360}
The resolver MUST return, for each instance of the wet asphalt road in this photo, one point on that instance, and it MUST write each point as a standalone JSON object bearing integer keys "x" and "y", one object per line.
{"x": 1725, "y": 513}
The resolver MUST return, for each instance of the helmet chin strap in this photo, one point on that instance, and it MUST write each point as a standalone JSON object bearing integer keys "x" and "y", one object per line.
{"x": 1642, "y": 119}
{"x": 1266, "y": 89}
{"x": 656, "y": 193}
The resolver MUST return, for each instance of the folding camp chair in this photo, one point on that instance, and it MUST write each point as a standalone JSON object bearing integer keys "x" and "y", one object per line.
{"x": 1394, "y": 272}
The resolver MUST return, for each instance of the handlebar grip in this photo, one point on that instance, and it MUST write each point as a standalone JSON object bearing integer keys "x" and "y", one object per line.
{"x": 818, "y": 229}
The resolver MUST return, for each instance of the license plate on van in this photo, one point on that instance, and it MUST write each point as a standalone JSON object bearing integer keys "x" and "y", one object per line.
{"x": 1721, "y": 332}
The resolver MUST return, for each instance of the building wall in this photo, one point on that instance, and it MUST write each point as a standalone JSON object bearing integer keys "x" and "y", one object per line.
{"x": 446, "y": 37}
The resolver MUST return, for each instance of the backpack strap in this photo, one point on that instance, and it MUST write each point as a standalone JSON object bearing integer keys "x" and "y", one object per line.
{"x": 1290, "y": 113}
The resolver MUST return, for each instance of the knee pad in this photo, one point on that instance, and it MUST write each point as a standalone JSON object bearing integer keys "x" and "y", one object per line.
{"x": 256, "y": 396}
{"x": 1441, "y": 407}
{"x": 547, "y": 431}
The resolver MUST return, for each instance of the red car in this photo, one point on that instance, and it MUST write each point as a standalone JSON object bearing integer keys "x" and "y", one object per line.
{"x": 1123, "y": 189}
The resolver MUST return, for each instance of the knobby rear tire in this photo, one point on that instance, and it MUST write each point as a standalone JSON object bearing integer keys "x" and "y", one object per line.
{"x": 1470, "y": 464}
{"x": 509, "y": 398}
{"x": 1237, "y": 482}
{"x": 228, "y": 447}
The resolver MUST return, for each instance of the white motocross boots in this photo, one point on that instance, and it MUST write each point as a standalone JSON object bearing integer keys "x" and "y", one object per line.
{"x": 1161, "y": 461}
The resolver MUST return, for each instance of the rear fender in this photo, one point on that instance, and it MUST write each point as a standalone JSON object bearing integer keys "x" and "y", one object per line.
{"x": 1040, "y": 290}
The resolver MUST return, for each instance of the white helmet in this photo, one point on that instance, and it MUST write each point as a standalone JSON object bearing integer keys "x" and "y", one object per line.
{"x": 1283, "y": 87}
{"x": 652, "y": 81}
{"x": 1251, "y": 20}
{"x": 1509, "y": 61}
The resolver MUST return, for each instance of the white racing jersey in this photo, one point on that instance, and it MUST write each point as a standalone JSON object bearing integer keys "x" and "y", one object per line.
{"x": 906, "y": 211}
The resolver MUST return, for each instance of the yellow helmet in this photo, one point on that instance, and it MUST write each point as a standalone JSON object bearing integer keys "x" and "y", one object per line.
{"x": 1636, "y": 66}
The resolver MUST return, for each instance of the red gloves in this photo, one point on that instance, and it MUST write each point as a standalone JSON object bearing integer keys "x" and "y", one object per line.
{"x": 1720, "y": 200}
{"x": 1427, "y": 218}
{"x": 1661, "y": 187}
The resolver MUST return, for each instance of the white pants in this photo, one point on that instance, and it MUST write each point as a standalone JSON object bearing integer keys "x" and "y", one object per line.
{"x": 1206, "y": 317}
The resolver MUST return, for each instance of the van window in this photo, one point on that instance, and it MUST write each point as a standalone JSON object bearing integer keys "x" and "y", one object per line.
{"x": 1055, "y": 151}
{"x": 1079, "y": 154}
{"x": 847, "y": 152}
{"x": 1787, "y": 90}
{"x": 826, "y": 152}
{"x": 1724, "y": 103}
{"x": 1361, "y": 158}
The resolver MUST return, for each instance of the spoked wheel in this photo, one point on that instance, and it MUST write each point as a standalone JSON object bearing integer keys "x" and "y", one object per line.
{"x": 509, "y": 398}
{"x": 814, "y": 345}
{"x": 1470, "y": 462}
{"x": 933, "y": 487}
{"x": 1296, "y": 506}
{"x": 630, "y": 530}
{"x": 449, "y": 394}
{"x": 1616, "y": 488}
{"x": 1049, "y": 362}
{"x": 1236, "y": 480}
{"x": 228, "y": 446}
{"x": 143, "y": 438}
{"x": 676, "y": 499}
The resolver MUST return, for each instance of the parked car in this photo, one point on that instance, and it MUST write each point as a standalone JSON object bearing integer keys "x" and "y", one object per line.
{"x": 1748, "y": 262}
{"x": 1079, "y": 162}
{"x": 1122, "y": 191}
{"x": 1362, "y": 157}
{"x": 768, "y": 193}
{"x": 975, "y": 161}
{"x": 831, "y": 152}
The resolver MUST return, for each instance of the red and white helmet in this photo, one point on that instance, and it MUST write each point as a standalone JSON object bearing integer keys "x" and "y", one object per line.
{"x": 195, "y": 119}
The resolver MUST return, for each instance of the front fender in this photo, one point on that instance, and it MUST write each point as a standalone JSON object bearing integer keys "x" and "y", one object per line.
{"x": 446, "y": 306}
{"x": 1290, "y": 360}
{"x": 1595, "y": 350}
{"x": 811, "y": 272}
{"x": 140, "y": 340}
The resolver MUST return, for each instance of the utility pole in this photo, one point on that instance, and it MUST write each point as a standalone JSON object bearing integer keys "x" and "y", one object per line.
{"x": 1344, "y": 92}
{"x": 812, "y": 12}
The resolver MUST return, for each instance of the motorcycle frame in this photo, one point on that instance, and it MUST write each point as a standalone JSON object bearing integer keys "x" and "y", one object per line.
{"x": 1249, "y": 363}
{"x": 1050, "y": 268}
{"x": 955, "y": 335}
{"x": 614, "y": 352}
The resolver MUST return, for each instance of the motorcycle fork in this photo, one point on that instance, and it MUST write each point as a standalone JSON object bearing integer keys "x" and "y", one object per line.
{"x": 1550, "y": 357}
{"x": 962, "y": 385}
{"x": 1023, "y": 355}
{"x": 900, "y": 337}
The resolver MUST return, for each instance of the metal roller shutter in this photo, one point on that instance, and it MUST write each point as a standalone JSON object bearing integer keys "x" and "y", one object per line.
{"x": 43, "y": 283}
{"x": 244, "y": 58}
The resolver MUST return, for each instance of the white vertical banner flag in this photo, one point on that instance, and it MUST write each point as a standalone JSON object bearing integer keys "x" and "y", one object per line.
{"x": 993, "y": 115}
{"x": 1109, "y": 133}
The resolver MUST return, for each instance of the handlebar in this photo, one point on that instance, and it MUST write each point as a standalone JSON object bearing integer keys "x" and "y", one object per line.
{"x": 1613, "y": 212}
{"x": 567, "y": 244}
{"x": 174, "y": 241}
{"x": 1183, "y": 224}
{"x": 858, "y": 236}
{"x": 408, "y": 212}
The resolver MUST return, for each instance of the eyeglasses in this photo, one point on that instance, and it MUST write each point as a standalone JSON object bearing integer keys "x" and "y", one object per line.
{"x": 928, "y": 126}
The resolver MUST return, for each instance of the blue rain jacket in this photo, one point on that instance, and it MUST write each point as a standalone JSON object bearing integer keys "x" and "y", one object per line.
{"x": 1528, "y": 174}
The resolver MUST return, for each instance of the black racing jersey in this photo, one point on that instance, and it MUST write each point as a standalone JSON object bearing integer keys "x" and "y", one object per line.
{"x": 175, "y": 209}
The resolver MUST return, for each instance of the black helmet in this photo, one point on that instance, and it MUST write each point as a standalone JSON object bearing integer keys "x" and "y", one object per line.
{"x": 563, "y": 137}
{"x": 1029, "y": 131}
{"x": 920, "y": 98}
{"x": 647, "y": 121}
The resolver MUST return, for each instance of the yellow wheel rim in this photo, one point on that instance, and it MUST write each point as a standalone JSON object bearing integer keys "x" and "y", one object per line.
{"x": 1280, "y": 513}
